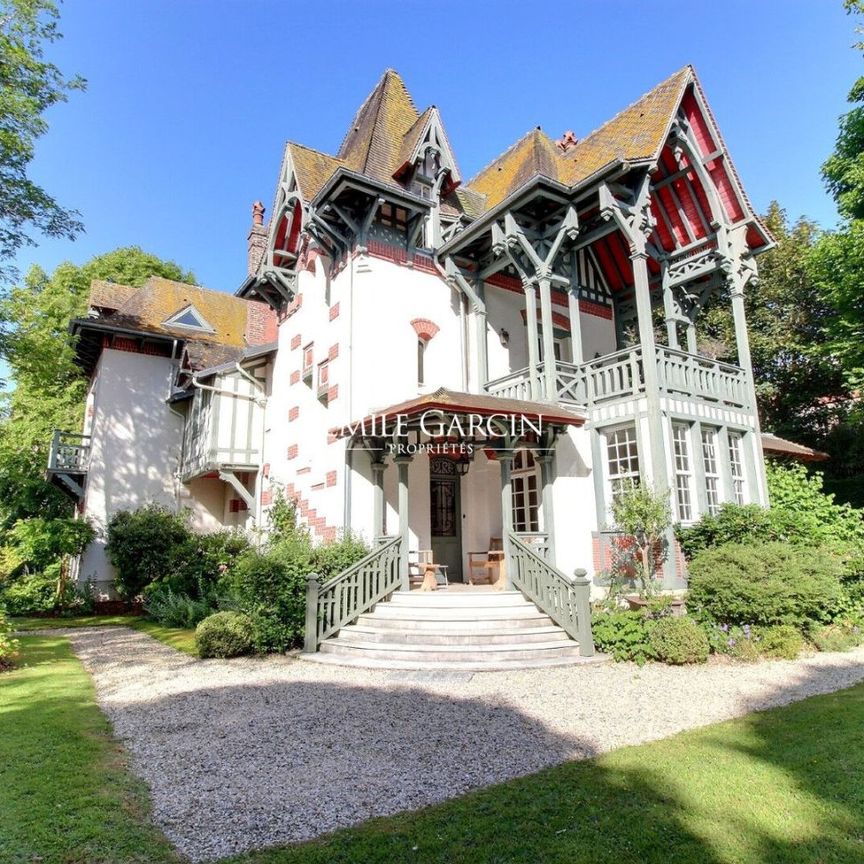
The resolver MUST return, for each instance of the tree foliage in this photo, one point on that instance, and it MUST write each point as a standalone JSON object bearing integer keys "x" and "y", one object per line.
{"x": 29, "y": 85}
{"x": 48, "y": 387}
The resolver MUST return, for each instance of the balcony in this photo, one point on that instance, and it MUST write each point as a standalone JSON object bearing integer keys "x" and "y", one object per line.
{"x": 68, "y": 461}
{"x": 620, "y": 377}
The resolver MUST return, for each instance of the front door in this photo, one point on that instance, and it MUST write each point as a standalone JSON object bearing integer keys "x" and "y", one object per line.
{"x": 446, "y": 516}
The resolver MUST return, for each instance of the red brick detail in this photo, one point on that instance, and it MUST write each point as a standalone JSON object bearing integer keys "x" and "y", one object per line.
{"x": 266, "y": 498}
{"x": 424, "y": 328}
{"x": 333, "y": 353}
{"x": 293, "y": 413}
{"x": 292, "y": 451}
{"x": 261, "y": 323}
{"x": 265, "y": 469}
{"x": 331, "y": 478}
{"x": 332, "y": 393}
{"x": 295, "y": 376}
{"x": 295, "y": 342}
{"x": 595, "y": 309}
{"x": 334, "y": 311}
{"x": 328, "y": 534}
{"x": 332, "y": 438}
{"x": 237, "y": 505}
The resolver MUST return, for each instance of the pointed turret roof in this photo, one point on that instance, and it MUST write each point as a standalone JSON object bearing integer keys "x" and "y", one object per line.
{"x": 374, "y": 140}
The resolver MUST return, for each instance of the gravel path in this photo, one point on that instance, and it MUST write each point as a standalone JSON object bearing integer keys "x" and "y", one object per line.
{"x": 253, "y": 752}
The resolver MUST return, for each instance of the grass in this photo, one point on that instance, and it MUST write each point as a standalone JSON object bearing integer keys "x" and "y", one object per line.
{"x": 178, "y": 638}
{"x": 776, "y": 787}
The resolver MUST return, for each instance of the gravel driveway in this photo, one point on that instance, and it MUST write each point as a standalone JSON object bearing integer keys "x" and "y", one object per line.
{"x": 248, "y": 753}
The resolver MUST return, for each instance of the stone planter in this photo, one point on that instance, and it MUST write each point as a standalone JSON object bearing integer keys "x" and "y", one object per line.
{"x": 677, "y": 603}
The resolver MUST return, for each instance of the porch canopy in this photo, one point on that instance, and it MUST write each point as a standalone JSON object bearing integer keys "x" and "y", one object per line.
{"x": 458, "y": 425}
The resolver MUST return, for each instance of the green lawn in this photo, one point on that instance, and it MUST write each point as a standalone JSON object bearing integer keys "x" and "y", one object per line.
{"x": 777, "y": 787}
{"x": 177, "y": 637}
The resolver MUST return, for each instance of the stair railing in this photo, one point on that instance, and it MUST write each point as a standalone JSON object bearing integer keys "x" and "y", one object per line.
{"x": 342, "y": 599}
{"x": 567, "y": 601}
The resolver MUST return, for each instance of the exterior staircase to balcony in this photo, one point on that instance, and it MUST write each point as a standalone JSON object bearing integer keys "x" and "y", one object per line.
{"x": 453, "y": 629}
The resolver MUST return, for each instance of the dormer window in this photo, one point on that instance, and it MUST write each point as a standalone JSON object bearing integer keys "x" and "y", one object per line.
{"x": 189, "y": 317}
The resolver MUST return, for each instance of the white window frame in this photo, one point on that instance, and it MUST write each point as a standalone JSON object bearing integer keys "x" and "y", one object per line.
{"x": 525, "y": 492}
{"x": 683, "y": 471}
{"x": 736, "y": 466}
{"x": 711, "y": 467}
{"x": 622, "y": 468}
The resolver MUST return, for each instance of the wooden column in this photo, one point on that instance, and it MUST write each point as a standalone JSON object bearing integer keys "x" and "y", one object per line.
{"x": 546, "y": 459}
{"x": 482, "y": 345}
{"x": 669, "y": 313}
{"x": 402, "y": 463}
{"x": 575, "y": 325}
{"x": 531, "y": 325}
{"x": 505, "y": 463}
{"x": 548, "y": 389}
{"x": 642, "y": 290}
{"x": 378, "y": 469}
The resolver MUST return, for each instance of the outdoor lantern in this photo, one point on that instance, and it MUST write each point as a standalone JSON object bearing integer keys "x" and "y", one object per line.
{"x": 462, "y": 466}
{"x": 504, "y": 336}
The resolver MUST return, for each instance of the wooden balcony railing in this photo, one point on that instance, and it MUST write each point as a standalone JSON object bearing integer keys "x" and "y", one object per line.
{"x": 622, "y": 376}
{"x": 70, "y": 453}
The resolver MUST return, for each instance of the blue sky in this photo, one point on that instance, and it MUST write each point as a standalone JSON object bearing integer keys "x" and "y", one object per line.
{"x": 189, "y": 101}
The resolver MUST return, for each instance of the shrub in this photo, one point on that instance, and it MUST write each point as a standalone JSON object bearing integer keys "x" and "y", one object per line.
{"x": 732, "y": 523}
{"x": 8, "y": 645}
{"x": 742, "y": 643}
{"x": 174, "y": 610}
{"x": 623, "y": 634}
{"x": 143, "y": 545}
{"x": 224, "y": 634}
{"x": 841, "y": 635}
{"x": 678, "y": 641}
{"x": 782, "y": 640}
{"x": 642, "y": 516}
{"x": 29, "y": 595}
{"x": 32, "y": 545}
{"x": 198, "y": 563}
{"x": 770, "y": 584}
{"x": 269, "y": 585}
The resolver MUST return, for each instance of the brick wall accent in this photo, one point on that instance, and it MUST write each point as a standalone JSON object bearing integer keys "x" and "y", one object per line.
{"x": 309, "y": 515}
{"x": 334, "y": 311}
{"x": 331, "y": 478}
{"x": 333, "y": 353}
{"x": 265, "y": 469}
{"x": 295, "y": 377}
{"x": 266, "y": 497}
{"x": 332, "y": 393}
{"x": 260, "y": 323}
{"x": 293, "y": 413}
{"x": 292, "y": 451}
{"x": 295, "y": 341}
{"x": 424, "y": 328}
{"x": 237, "y": 505}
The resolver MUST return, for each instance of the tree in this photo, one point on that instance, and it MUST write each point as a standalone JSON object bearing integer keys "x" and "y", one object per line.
{"x": 49, "y": 388}
{"x": 799, "y": 386}
{"x": 29, "y": 85}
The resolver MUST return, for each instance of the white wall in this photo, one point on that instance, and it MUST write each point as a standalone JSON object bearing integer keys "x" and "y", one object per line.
{"x": 135, "y": 447}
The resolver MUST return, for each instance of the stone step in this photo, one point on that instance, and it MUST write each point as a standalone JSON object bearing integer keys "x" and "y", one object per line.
{"x": 454, "y": 653}
{"x": 455, "y": 613}
{"x": 462, "y": 599}
{"x": 462, "y": 636}
{"x": 449, "y": 623}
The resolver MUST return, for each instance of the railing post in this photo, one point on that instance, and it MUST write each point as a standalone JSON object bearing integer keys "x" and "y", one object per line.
{"x": 581, "y": 586}
{"x": 310, "y": 635}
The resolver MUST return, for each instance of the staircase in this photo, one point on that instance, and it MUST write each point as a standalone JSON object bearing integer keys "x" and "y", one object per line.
{"x": 451, "y": 630}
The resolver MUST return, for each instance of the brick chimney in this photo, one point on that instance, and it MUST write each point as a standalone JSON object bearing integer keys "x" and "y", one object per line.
{"x": 257, "y": 238}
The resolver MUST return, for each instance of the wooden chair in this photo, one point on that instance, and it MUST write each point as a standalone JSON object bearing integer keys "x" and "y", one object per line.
{"x": 485, "y": 567}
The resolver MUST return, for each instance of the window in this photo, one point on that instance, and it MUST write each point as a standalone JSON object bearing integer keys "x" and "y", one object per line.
{"x": 712, "y": 476}
{"x": 421, "y": 352}
{"x": 736, "y": 465}
{"x": 393, "y": 217}
{"x": 308, "y": 362}
{"x": 323, "y": 377}
{"x": 526, "y": 502}
{"x": 622, "y": 455}
{"x": 189, "y": 317}
{"x": 683, "y": 472}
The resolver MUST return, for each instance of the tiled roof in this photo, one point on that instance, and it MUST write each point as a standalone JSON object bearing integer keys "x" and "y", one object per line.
{"x": 109, "y": 295}
{"x": 774, "y": 446}
{"x": 411, "y": 138}
{"x": 374, "y": 140}
{"x": 533, "y": 154}
{"x": 634, "y": 134}
{"x": 312, "y": 169}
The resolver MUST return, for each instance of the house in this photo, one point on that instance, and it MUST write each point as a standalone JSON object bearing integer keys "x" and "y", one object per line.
{"x": 435, "y": 362}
